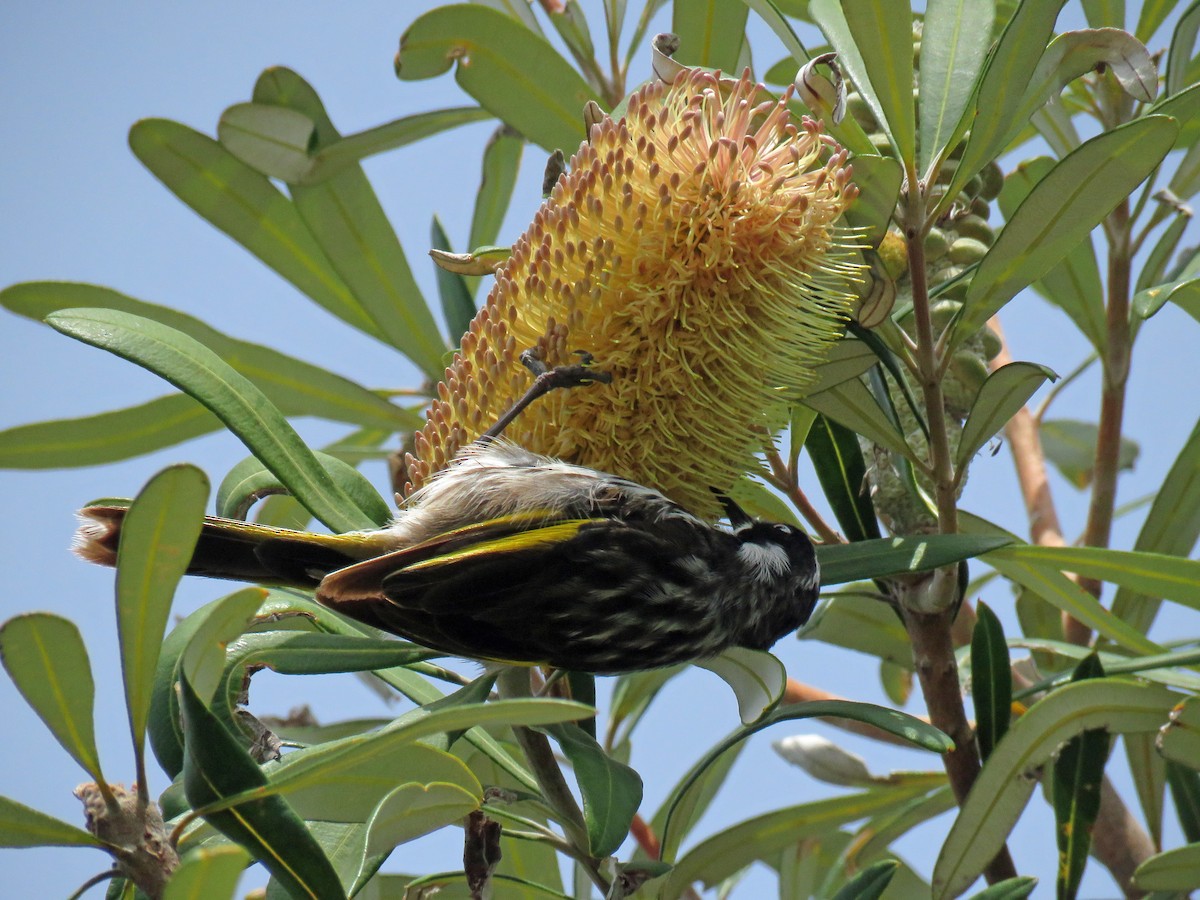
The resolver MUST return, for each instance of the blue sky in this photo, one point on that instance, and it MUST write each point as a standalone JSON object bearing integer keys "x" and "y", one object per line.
{"x": 78, "y": 206}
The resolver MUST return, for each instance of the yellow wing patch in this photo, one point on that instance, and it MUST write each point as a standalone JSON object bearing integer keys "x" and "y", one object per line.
{"x": 523, "y": 540}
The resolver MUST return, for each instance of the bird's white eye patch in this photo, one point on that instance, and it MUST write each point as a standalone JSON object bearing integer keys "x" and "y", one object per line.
{"x": 765, "y": 561}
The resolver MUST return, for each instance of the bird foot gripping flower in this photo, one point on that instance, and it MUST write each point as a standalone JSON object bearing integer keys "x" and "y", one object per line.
{"x": 693, "y": 249}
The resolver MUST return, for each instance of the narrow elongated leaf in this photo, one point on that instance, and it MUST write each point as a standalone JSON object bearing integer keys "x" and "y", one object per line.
{"x": 1151, "y": 573}
{"x": 244, "y": 409}
{"x": 158, "y": 536}
{"x": 879, "y": 179}
{"x": 1003, "y": 786}
{"x": 202, "y": 660}
{"x": 1185, "y": 793}
{"x": 21, "y": 826}
{"x": 852, "y": 405}
{"x": 873, "y": 40}
{"x": 1172, "y": 870}
{"x": 1049, "y": 583}
{"x": 1179, "y": 741}
{"x": 954, "y": 44}
{"x": 246, "y": 206}
{"x": 1078, "y": 772}
{"x": 295, "y": 386}
{"x": 690, "y": 799}
{"x": 216, "y": 767}
{"x": 1148, "y": 770}
{"x": 1153, "y": 14}
{"x": 501, "y": 163}
{"x": 710, "y": 32}
{"x": 991, "y": 680}
{"x": 207, "y": 874}
{"x": 347, "y": 220}
{"x": 1002, "y": 395}
{"x": 860, "y": 622}
{"x": 511, "y": 71}
{"x": 1001, "y": 87}
{"x": 1182, "y": 50}
{"x": 106, "y": 437}
{"x": 1071, "y": 446}
{"x": 48, "y": 662}
{"x": 715, "y": 859}
{"x": 273, "y": 140}
{"x": 250, "y": 480}
{"x": 1171, "y": 528}
{"x": 1062, "y": 209}
{"x": 1009, "y": 889}
{"x": 1073, "y": 285}
{"x": 839, "y": 465}
{"x": 757, "y": 678}
{"x": 863, "y": 560}
{"x": 611, "y": 791}
{"x": 332, "y": 158}
{"x": 458, "y": 305}
{"x": 414, "y": 809}
{"x": 870, "y": 883}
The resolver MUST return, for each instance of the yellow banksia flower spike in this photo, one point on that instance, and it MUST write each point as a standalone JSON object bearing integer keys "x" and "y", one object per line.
{"x": 693, "y": 249}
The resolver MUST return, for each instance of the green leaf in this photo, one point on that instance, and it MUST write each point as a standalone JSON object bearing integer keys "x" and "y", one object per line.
{"x": 501, "y": 164}
{"x": 1182, "y": 49}
{"x": 207, "y": 874}
{"x": 711, "y": 33}
{"x": 846, "y": 360}
{"x": 250, "y": 480}
{"x": 345, "y": 217}
{"x": 1009, "y": 889}
{"x": 458, "y": 304}
{"x": 1185, "y": 793}
{"x": 862, "y": 622}
{"x": 272, "y": 139}
{"x": 1071, "y": 446}
{"x": 852, "y": 405}
{"x": 203, "y": 658}
{"x": 107, "y": 437}
{"x": 954, "y": 45}
{"x": 840, "y": 469}
{"x": 1000, "y": 89}
{"x": 158, "y": 536}
{"x": 900, "y": 724}
{"x": 991, "y": 680}
{"x": 216, "y": 767}
{"x": 1049, "y": 583}
{"x": 841, "y": 563}
{"x": 21, "y": 826}
{"x": 1172, "y": 870}
{"x": 295, "y": 386}
{"x": 246, "y": 206}
{"x": 512, "y": 72}
{"x": 1003, "y": 788}
{"x": 1184, "y": 293}
{"x": 611, "y": 791}
{"x": 718, "y": 857}
{"x": 689, "y": 799}
{"x": 1171, "y": 528}
{"x": 1151, "y": 573}
{"x": 1153, "y": 14}
{"x": 758, "y": 679}
{"x": 873, "y": 40}
{"x": 332, "y": 157}
{"x": 870, "y": 883}
{"x": 1179, "y": 741}
{"x": 1062, "y": 209}
{"x": 243, "y": 408}
{"x": 1075, "y": 788}
{"x": 879, "y": 179}
{"x": 1148, "y": 770}
{"x": 48, "y": 662}
{"x": 1003, "y": 394}
{"x": 414, "y": 809}
{"x": 1073, "y": 285}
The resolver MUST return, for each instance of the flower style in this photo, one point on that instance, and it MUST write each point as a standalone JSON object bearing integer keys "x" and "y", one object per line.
{"x": 692, "y": 249}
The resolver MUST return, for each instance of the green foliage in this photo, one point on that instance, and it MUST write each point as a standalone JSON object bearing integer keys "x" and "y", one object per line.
{"x": 936, "y": 101}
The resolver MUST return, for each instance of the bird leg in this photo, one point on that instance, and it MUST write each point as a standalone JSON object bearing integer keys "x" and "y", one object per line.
{"x": 544, "y": 382}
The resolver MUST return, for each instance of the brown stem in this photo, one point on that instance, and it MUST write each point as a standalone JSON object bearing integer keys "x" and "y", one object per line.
{"x": 784, "y": 479}
{"x": 933, "y": 659}
{"x": 1118, "y": 839}
{"x": 798, "y": 692}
